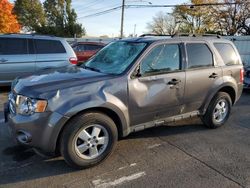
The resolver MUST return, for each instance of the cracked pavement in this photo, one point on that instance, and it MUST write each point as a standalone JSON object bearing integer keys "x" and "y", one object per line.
{"x": 187, "y": 155}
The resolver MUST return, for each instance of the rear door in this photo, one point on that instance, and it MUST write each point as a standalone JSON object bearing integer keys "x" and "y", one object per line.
{"x": 50, "y": 54}
{"x": 15, "y": 59}
{"x": 202, "y": 75}
{"x": 158, "y": 92}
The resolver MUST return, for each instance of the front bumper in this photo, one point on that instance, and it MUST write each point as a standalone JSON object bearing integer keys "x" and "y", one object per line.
{"x": 40, "y": 130}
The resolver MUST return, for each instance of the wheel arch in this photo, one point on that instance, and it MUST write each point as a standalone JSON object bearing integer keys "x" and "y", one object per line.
{"x": 122, "y": 127}
{"x": 229, "y": 89}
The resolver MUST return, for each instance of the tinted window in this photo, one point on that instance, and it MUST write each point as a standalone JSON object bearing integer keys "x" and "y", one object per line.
{"x": 13, "y": 46}
{"x": 227, "y": 53}
{"x": 163, "y": 58}
{"x": 49, "y": 47}
{"x": 79, "y": 48}
{"x": 31, "y": 46}
{"x": 92, "y": 47}
{"x": 199, "y": 55}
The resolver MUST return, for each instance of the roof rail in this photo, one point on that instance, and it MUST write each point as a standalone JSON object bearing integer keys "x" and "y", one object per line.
{"x": 31, "y": 34}
{"x": 183, "y": 35}
{"x": 154, "y": 35}
{"x": 211, "y": 35}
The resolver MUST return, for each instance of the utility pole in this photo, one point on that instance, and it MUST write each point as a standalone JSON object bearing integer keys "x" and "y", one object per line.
{"x": 122, "y": 18}
{"x": 134, "y": 30}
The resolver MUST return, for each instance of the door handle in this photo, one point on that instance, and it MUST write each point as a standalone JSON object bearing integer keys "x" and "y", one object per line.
{"x": 3, "y": 60}
{"x": 213, "y": 75}
{"x": 174, "y": 82}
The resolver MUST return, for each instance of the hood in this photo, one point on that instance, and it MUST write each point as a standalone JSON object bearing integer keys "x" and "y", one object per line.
{"x": 55, "y": 79}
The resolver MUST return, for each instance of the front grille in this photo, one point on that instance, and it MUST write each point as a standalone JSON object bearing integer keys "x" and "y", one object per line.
{"x": 12, "y": 102}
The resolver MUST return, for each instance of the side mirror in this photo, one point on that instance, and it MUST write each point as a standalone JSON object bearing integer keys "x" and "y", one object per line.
{"x": 136, "y": 72}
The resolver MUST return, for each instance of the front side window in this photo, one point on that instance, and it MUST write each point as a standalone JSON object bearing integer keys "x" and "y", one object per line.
{"x": 199, "y": 55}
{"x": 163, "y": 58}
{"x": 49, "y": 46}
{"x": 227, "y": 53}
{"x": 13, "y": 46}
{"x": 116, "y": 57}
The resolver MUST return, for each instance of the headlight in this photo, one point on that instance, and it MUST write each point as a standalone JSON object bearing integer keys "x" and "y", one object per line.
{"x": 28, "y": 106}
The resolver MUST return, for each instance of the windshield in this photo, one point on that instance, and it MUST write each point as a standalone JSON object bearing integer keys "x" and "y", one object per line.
{"x": 116, "y": 57}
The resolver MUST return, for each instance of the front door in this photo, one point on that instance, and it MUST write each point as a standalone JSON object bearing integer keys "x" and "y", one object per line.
{"x": 158, "y": 91}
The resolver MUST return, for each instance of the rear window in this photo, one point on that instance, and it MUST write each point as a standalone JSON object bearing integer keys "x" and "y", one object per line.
{"x": 92, "y": 47}
{"x": 13, "y": 46}
{"x": 49, "y": 47}
{"x": 199, "y": 55}
{"x": 227, "y": 53}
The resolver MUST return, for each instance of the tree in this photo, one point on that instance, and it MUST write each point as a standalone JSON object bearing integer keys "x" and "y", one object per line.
{"x": 163, "y": 24}
{"x": 8, "y": 21}
{"x": 30, "y": 14}
{"x": 234, "y": 18}
{"x": 196, "y": 19}
{"x": 61, "y": 19}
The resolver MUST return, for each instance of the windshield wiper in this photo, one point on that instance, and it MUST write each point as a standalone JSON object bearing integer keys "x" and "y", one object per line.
{"x": 91, "y": 68}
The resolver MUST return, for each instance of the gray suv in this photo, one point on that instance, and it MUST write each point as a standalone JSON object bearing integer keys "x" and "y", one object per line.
{"x": 22, "y": 55}
{"x": 130, "y": 85}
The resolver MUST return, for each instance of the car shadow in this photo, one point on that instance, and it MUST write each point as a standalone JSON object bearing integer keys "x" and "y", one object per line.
{"x": 46, "y": 167}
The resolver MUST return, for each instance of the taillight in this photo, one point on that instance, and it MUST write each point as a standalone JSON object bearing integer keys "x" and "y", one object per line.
{"x": 241, "y": 75}
{"x": 73, "y": 60}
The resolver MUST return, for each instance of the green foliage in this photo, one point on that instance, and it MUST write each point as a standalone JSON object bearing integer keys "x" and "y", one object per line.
{"x": 61, "y": 19}
{"x": 29, "y": 13}
{"x": 55, "y": 17}
{"x": 224, "y": 19}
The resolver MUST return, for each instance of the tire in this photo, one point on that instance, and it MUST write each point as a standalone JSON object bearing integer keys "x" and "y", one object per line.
{"x": 88, "y": 139}
{"x": 216, "y": 116}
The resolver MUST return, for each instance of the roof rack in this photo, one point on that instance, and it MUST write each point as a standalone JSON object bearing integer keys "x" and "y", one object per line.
{"x": 154, "y": 35}
{"x": 182, "y": 35}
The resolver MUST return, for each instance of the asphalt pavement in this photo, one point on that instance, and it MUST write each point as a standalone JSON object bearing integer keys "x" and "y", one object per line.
{"x": 187, "y": 155}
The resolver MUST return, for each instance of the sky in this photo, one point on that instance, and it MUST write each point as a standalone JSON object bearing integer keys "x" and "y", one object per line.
{"x": 109, "y": 24}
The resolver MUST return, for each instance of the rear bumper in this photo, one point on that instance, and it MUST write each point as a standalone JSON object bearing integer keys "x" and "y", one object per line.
{"x": 40, "y": 130}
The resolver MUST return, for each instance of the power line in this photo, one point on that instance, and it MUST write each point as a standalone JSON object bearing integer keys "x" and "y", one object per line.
{"x": 90, "y": 4}
{"x": 155, "y": 6}
{"x": 99, "y": 9}
{"x": 101, "y": 13}
{"x": 186, "y": 5}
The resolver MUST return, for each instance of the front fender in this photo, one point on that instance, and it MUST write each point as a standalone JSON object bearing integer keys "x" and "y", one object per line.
{"x": 104, "y": 101}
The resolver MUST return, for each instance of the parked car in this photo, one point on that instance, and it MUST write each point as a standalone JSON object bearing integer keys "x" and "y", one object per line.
{"x": 247, "y": 78}
{"x": 22, "y": 54}
{"x": 85, "y": 50}
{"x": 130, "y": 85}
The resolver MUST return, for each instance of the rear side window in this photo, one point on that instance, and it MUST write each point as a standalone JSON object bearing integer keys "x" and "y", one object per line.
{"x": 163, "y": 58}
{"x": 227, "y": 53}
{"x": 199, "y": 55}
{"x": 92, "y": 47}
{"x": 49, "y": 47}
{"x": 13, "y": 46}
